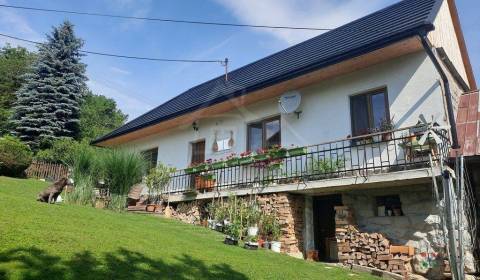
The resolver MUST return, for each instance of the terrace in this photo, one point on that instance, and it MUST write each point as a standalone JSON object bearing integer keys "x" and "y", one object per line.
{"x": 384, "y": 154}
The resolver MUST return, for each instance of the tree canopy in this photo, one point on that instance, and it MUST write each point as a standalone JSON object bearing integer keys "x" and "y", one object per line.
{"x": 14, "y": 63}
{"x": 98, "y": 116}
{"x": 48, "y": 103}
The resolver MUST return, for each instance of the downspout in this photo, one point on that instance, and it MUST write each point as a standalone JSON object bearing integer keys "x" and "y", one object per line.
{"x": 448, "y": 96}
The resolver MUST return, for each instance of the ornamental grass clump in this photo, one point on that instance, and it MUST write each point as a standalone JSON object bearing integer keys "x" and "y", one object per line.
{"x": 121, "y": 170}
{"x": 85, "y": 170}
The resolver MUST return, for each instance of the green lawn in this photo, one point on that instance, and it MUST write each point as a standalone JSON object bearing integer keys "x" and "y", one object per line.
{"x": 41, "y": 241}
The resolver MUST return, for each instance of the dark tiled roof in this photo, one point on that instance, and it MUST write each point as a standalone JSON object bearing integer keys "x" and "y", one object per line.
{"x": 364, "y": 35}
{"x": 468, "y": 125}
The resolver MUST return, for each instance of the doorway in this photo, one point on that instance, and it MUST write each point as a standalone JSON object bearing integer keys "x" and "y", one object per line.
{"x": 324, "y": 226}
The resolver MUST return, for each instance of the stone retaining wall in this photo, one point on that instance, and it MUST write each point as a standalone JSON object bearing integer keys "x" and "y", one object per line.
{"x": 419, "y": 227}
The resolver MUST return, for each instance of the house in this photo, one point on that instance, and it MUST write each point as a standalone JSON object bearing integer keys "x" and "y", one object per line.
{"x": 359, "y": 98}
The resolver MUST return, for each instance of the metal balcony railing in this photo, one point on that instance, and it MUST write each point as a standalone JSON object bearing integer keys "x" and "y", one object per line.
{"x": 382, "y": 152}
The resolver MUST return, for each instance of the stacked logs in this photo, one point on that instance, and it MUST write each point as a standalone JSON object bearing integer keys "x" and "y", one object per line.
{"x": 289, "y": 211}
{"x": 368, "y": 249}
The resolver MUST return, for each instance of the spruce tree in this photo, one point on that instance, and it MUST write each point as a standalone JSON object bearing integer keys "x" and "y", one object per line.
{"x": 48, "y": 104}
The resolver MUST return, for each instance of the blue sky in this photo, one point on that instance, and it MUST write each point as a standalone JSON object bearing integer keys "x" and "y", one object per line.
{"x": 138, "y": 86}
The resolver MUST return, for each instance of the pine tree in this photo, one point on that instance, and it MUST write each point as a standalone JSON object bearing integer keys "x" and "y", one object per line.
{"x": 48, "y": 104}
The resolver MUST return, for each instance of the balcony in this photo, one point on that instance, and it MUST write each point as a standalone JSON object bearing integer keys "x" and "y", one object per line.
{"x": 378, "y": 153}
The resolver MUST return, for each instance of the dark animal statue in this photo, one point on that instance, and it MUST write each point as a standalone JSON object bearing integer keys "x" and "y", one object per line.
{"x": 51, "y": 193}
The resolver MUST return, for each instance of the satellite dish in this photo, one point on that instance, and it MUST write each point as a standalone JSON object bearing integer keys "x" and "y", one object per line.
{"x": 289, "y": 102}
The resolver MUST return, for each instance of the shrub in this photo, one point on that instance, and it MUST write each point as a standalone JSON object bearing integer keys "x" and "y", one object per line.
{"x": 156, "y": 180}
{"x": 15, "y": 156}
{"x": 121, "y": 169}
{"x": 61, "y": 151}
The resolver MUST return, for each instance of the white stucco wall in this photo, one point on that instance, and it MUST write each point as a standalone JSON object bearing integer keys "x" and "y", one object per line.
{"x": 411, "y": 82}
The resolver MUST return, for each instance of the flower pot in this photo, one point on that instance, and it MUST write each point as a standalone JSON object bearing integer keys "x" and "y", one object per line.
{"x": 251, "y": 245}
{"x": 204, "y": 184}
{"x": 232, "y": 162}
{"x": 218, "y": 165}
{"x": 245, "y": 160}
{"x": 230, "y": 241}
{"x": 150, "y": 208}
{"x": 252, "y": 231}
{"x": 262, "y": 157}
{"x": 211, "y": 223}
{"x": 276, "y": 246}
{"x": 387, "y": 136}
{"x": 261, "y": 242}
{"x": 297, "y": 151}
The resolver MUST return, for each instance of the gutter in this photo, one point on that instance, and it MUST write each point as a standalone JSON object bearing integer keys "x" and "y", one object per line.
{"x": 448, "y": 96}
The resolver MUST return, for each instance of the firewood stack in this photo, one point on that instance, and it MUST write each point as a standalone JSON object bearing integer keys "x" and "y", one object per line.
{"x": 368, "y": 249}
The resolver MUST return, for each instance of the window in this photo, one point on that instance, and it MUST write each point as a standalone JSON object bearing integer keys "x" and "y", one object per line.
{"x": 389, "y": 205}
{"x": 198, "y": 152}
{"x": 368, "y": 110}
{"x": 151, "y": 157}
{"x": 264, "y": 134}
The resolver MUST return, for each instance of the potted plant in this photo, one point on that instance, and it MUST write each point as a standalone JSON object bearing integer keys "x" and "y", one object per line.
{"x": 205, "y": 181}
{"x": 297, "y": 151}
{"x": 271, "y": 229}
{"x": 233, "y": 232}
{"x": 232, "y": 160}
{"x": 156, "y": 180}
{"x": 387, "y": 125}
{"x": 245, "y": 158}
{"x": 275, "y": 245}
{"x": 277, "y": 152}
{"x": 217, "y": 164}
{"x": 261, "y": 155}
{"x": 251, "y": 243}
{"x": 253, "y": 218}
{"x": 190, "y": 170}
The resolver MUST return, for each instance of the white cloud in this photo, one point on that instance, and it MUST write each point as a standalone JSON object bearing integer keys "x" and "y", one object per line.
{"x": 120, "y": 71}
{"x": 125, "y": 101}
{"x": 307, "y": 13}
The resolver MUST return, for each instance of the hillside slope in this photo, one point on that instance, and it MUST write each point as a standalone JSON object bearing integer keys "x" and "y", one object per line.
{"x": 41, "y": 241}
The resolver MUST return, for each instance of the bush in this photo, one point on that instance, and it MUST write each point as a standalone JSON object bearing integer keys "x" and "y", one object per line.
{"x": 121, "y": 170}
{"x": 15, "y": 157}
{"x": 156, "y": 180}
{"x": 62, "y": 151}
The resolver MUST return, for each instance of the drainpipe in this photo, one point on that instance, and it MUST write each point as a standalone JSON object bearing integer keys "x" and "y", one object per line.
{"x": 448, "y": 96}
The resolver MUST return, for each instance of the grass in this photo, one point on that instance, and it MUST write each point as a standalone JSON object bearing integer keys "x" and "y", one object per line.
{"x": 41, "y": 241}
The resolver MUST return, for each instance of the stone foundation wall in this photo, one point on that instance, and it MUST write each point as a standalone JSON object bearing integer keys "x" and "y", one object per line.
{"x": 419, "y": 227}
{"x": 290, "y": 214}
{"x": 290, "y": 210}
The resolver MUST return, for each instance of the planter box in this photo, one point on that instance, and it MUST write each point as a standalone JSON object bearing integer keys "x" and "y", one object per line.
{"x": 204, "y": 184}
{"x": 218, "y": 165}
{"x": 297, "y": 151}
{"x": 190, "y": 170}
{"x": 245, "y": 160}
{"x": 230, "y": 241}
{"x": 233, "y": 162}
{"x": 262, "y": 157}
{"x": 201, "y": 168}
{"x": 278, "y": 154}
